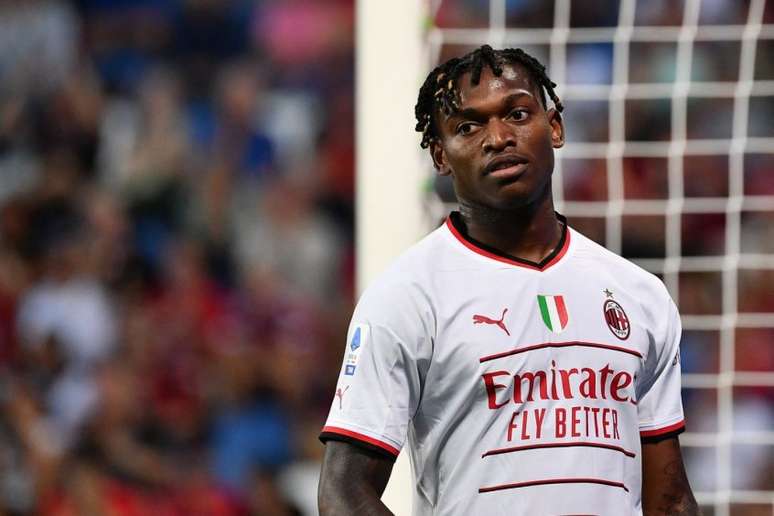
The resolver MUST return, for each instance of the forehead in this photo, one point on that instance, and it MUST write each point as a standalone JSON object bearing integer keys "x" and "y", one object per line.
{"x": 515, "y": 77}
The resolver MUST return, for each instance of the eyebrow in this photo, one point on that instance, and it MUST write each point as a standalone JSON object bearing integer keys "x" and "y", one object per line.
{"x": 472, "y": 113}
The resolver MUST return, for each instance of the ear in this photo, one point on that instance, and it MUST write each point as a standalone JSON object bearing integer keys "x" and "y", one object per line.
{"x": 438, "y": 154}
{"x": 557, "y": 128}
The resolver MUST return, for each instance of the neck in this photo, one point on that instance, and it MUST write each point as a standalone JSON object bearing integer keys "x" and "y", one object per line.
{"x": 531, "y": 232}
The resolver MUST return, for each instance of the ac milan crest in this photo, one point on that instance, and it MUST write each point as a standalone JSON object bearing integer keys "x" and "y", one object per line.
{"x": 616, "y": 319}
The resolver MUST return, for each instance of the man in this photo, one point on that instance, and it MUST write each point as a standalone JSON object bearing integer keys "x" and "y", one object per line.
{"x": 532, "y": 371}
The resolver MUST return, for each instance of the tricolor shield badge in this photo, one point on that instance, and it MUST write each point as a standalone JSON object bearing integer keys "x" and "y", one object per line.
{"x": 554, "y": 312}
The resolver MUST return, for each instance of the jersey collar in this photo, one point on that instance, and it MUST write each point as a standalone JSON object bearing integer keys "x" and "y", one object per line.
{"x": 457, "y": 228}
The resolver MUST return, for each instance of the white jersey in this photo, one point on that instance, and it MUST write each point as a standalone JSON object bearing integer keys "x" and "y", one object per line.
{"x": 520, "y": 388}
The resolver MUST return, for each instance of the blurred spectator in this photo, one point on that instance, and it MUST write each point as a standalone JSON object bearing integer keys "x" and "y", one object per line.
{"x": 38, "y": 46}
{"x": 250, "y": 431}
{"x": 289, "y": 239}
{"x": 66, "y": 323}
{"x": 237, "y": 143}
{"x": 173, "y": 251}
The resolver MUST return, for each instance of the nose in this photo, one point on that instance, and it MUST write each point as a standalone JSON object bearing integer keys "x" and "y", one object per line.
{"x": 499, "y": 136}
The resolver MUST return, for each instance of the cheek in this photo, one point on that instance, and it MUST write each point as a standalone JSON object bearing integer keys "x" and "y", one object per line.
{"x": 459, "y": 154}
{"x": 540, "y": 140}
{"x": 542, "y": 149}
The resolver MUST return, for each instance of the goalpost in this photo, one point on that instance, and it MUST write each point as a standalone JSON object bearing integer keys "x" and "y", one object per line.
{"x": 390, "y": 172}
{"x": 397, "y": 44}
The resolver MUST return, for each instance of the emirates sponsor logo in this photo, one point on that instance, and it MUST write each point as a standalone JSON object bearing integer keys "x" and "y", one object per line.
{"x": 596, "y": 397}
{"x": 503, "y": 387}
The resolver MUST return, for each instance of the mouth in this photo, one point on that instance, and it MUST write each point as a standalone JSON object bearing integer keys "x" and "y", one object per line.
{"x": 506, "y": 167}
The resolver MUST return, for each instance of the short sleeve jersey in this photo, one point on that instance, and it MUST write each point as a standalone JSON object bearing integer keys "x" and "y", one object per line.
{"x": 518, "y": 387}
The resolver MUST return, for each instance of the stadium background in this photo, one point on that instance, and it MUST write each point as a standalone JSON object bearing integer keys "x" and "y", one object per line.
{"x": 177, "y": 251}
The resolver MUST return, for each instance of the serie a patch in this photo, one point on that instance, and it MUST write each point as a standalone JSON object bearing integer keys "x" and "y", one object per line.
{"x": 356, "y": 341}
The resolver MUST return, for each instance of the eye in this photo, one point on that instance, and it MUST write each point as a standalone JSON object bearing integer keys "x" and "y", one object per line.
{"x": 519, "y": 114}
{"x": 465, "y": 128}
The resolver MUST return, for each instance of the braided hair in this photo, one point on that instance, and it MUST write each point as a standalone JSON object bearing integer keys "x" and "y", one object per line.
{"x": 440, "y": 91}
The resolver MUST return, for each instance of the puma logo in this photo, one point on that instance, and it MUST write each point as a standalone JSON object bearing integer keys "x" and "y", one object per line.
{"x": 478, "y": 319}
{"x": 340, "y": 394}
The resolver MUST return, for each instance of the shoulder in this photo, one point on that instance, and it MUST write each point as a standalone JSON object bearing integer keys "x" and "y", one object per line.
{"x": 632, "y": 285}
{"x": 604, "y": 262}
{"x": 413, "y": 268}
{"x": 401, "y": 295}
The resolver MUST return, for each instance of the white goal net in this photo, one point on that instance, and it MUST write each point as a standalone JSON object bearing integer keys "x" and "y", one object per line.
{"x": 669, "y": 161}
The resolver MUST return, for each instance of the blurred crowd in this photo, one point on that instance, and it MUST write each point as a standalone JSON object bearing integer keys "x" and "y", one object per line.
{"x": 176, "y": 240}
{"x": 176, "y": 264}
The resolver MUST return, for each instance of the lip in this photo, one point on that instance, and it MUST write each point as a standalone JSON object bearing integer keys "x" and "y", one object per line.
{"x": 505, "y": 167}
{"x": 512, "y": 172}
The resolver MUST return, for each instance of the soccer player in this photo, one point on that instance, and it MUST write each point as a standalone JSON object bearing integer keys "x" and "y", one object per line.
{"x": 530, "y": 370}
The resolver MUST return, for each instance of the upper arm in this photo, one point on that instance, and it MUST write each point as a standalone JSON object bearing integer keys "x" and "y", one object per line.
{"x": 659, "y": 403}
{"x": 380, "y": 383}
{"x": 352, "y": 480}
{"x": 377, "y": 394}
{"x": 665, "y": 487}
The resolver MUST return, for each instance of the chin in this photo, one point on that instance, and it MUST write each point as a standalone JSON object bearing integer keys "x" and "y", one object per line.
{"x": 513, "y": 196}
{"x": 522, "y": 194}
{"x": 515, "y": 204}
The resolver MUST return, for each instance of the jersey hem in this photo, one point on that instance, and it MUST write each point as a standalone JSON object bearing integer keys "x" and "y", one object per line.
{"x": 334, "y": 432}
{"x": 673, "y": 429}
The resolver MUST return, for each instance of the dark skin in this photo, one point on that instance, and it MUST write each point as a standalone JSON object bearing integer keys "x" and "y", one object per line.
{"x": 352, "y": 481}
{"x": 499, "y": 151}
{"x": 502, "y": 122}
{"x": 665, "y": 488}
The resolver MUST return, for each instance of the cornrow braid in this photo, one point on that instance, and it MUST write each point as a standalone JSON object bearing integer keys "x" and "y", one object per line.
{"x": 440, "y": 92}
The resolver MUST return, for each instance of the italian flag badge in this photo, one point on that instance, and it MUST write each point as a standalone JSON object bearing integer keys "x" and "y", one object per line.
{"x": 554, "y": 312}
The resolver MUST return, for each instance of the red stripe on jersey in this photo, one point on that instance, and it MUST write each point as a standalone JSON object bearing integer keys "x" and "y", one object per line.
{"x": 560, "y": 345}
{"x": 621, "y": 320}
{"x": 483, "y": 252}
{"x": 561, "y": 252}
{"x": 612, "y": 318}
{"x": 559, "y": 445}
{"x": 562, "y": 310}
{"x": 661, "y": 431}
{"x": 553, "y": 481}
{"x": 361, "y": 437}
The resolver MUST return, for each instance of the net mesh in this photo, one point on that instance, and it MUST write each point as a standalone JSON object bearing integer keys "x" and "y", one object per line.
{"x": 669, "y": 161}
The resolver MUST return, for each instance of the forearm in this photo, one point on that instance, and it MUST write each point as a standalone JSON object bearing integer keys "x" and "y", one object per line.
{"x": 675, "y": 499}
{"x": 345, "y": 501}
{"x": 666, "y": 490}
{"x": 352, "y": 482}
